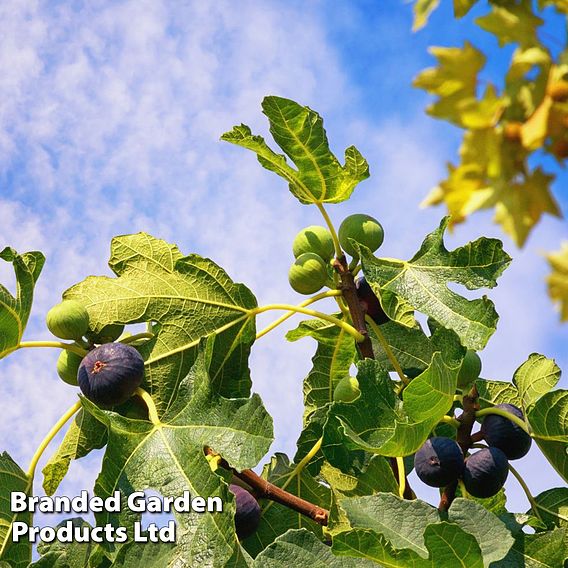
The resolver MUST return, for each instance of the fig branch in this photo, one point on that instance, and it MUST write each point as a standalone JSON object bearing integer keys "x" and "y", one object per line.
{"x": 266, "y": 490}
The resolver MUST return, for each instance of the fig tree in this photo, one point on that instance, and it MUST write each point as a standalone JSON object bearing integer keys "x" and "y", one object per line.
{"x": 109, "y": 374}
{"x": 247, "y": 515}
{"x": 469, "y": 370}
{"x": 308, "y": 273}
{"x": 485, "y": 472}
{"x": 363, "y": 229}
{"x": 107, "y": 334}
{"x": 68, "y": 366}
{"x": 369, "y": 302}
{"x": 68, "y": 320}
{"x": 500, "y": 432}
{"x": 439, "y": 461}
{"x": 346, "y": 390}
{"x": 314, "y": 239}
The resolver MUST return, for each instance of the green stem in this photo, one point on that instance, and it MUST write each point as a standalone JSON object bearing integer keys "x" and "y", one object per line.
{"x": 500, "y": 412}
{"x": 335, "y": 238}
{"x": 152, "y": 411}
{"x": 301, "y": 310}
{"x": 356, "y": 269}
{"x": 50, "y": 435}
{"x": 282, "y": 319}
{"x": 59, "y": 344}
{"x": 136, "y": 337}
{"x": 450, "y": 420}
{"x": 401, "y": 477}
{"x": 527, "y": 491}
{"x": 387, "y": 350}
{"x": 299, "y": 468}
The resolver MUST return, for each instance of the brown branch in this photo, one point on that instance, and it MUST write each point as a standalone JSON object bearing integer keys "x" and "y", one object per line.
{"x": 266, "y": 490}
{"x": 464, "y": 439}
{"x": 357, "y": 314}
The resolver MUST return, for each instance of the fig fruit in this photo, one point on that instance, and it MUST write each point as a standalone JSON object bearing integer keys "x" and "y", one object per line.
{"x": 308, "y": 273}
{"x": 558, "y": 91}
{"x": 68, "y": 320}
{"x": 369, "y": 302}
{"x": 107, "y": 334}
{"x": 485, "y": 472}
{"x": 346, "y": 390}
{"x": 439, "y": 461}
{"x": 247, "y": 515}
{"x": 68, "y": 367}
{"x": 314, "y": 239}
{"x": 500, "y": 432}
{"x": 363, "y": 229}
{"x": 469, "y": 370}
{"x": 109, "y": 374}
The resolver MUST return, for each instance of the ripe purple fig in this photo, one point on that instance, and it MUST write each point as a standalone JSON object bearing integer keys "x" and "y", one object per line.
{"x": 109, "y": 374}
{"x": 439, "y": 461}
{"x": 485, "y": 472}
{"x": 247, "y": 515}
{"x": 500, "y": 432}
{"x": 369, "y": 302}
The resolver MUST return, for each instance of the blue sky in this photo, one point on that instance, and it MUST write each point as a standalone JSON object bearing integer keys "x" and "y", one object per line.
{"x": 110, "y": 124}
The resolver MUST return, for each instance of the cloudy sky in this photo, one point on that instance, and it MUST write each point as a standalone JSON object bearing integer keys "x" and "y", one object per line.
{"x": 110, "y": 117}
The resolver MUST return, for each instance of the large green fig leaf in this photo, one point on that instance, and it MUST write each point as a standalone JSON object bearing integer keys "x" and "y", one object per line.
{"x": 447, "y": 545}
{"x": 276, "y": 519}
{"x": 331, "y": 363}
{"x": 169, "y": 458}
{"x": 15, "y": 311}
{"x": 553, "y": 507}
{"x": 422, "y": 282}
{"x": 298, "y": 130}
{"x": 12, "y": 478}
{"x": 379, "y": 423}
{"x": 302, "y": 548}
{"x": 535, "y": 377}
{"x": 186, "y": 298}
{"x": 404, "y": 526}
{"x": 66, "y": 555}
{"x": 541, "y": 550}
{"x": 85, "y": 433}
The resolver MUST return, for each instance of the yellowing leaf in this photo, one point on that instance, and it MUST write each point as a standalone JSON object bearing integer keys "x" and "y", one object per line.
{"x": 520, "y": 205}
{"x": 462, "y": 7}
{"x": 456, "y": 73}
{"x": 512, "y": 24}
{"x": 422, "y": 11}
{"x": 534, "y": 130}
{"x": 558, "y": 279}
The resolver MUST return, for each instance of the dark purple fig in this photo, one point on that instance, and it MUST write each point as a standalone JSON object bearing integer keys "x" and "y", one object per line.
{"x": 369, "y": 302}
{"x": 109, "y": 374}
{"x": 247, "y": 515}
{"x": 485, "y": 472}
{"x": 438, "y": 462}
{"x": 500, "y": 432}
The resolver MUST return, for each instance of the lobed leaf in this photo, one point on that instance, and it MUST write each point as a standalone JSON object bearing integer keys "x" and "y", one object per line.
{"x": 15, "y": 311}
{"x": 298, "y": 130}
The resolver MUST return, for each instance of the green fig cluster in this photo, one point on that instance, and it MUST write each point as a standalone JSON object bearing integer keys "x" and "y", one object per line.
{"x": 469, "y": 370}
{"x": 313, "y": 249}
{"x": 362, "y": 229}
{"x": 107, "y": 334}
{"x": 68, "y": 320}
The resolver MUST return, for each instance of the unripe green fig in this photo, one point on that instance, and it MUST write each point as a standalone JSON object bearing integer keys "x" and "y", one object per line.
{"x": 469, "y": 370}
{"x": 346, "y": 390}
{"x": 68, "y": 320}
{"x": 68, "y": 366}
{"x": 308, "y": 273}
{"x": 314, "y": 239}
{"x": 361, "y": 228}
{"x": 107, "y": 334}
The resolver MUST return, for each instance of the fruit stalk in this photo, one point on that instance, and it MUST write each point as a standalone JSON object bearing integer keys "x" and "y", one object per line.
{"x": 266, "y": 490}
{"x": 463, "y": 438}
